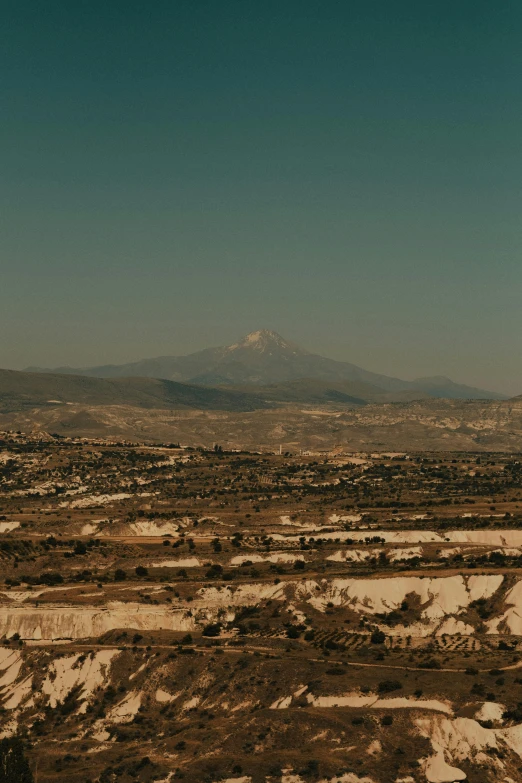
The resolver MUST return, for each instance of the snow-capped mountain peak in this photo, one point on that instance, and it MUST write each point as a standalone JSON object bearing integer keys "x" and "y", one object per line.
{"x": 264, "y": 341}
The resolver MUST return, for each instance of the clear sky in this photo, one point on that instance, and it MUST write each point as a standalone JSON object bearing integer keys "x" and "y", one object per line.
{"x": 176, "y": 174}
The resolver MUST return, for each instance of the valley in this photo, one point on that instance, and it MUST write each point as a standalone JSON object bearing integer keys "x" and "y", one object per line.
{"x": 446, "y": 425}
{"x": 179, "y": 613}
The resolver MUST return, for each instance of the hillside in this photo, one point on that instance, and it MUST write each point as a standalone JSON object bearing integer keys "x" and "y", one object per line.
{"x": 183, "y": 615}
{"x": 312, "y": 391}
{"x": 440, "y": 386}
{"x": 23, "y": 390}
{"x": 423, "y": 425}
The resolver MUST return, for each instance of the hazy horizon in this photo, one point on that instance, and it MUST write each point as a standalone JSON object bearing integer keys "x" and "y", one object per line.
{"x": 175, "y": 176}
{"x": 29, "y": 367}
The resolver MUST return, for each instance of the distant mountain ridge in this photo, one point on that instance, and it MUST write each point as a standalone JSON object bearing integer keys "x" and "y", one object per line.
{"x": 264, "y": 358}
{"x": 21, "y": 391}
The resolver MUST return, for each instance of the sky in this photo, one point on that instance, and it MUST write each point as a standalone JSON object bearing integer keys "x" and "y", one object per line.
{"x": 176, "y": 174}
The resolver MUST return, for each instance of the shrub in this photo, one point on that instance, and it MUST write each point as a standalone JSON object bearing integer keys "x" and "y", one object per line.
{"x": 387, "y": 686}
{"x": 51, "y": 578}
{"x": 13, "y": 763}
{"x": 213, "y": 629}
{"x": 514, "y": 714}
{"x": 214, "y": 572}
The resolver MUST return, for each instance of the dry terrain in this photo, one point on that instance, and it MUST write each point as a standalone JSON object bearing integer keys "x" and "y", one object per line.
{"x": 172, "y": 613}
{"x": 429, "y": 424}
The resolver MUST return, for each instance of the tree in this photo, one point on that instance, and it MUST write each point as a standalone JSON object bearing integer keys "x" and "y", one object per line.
{"x": 14, "y": 767}
{"x": 387, "y": 686}
{"x": 213, "y": 629}
{"x": 80, "y": 548}
{"x": 50, "y": 578}
{"x": 141, "y": 571}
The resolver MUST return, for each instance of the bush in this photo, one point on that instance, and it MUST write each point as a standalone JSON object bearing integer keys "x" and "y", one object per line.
{"x": 51, "y": 578}
{"x": 119, "y": 575}
{"x": 378, "y": 637}
{"x": 14, "y": 767}
{"x": 141, "y": 571}
{"x": 387, "y": 686}
{"x": 514, "y": 714}
{"x": 214, "y": 629}
{"x": 214, "y": 572}
{"x": 387, "y": 720}
{"x": 312, "y": 768}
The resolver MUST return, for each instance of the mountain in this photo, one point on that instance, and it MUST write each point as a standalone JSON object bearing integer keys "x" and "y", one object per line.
{"x": 263, "y": 358}
{"x": 21, "y": 391}
{"x": 440, "y": 386}
{"x": 310, "y": 391}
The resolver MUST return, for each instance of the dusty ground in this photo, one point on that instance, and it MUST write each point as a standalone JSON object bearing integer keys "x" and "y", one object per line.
{"x": 430, "y": 424}
{"x": 171, "y": 614}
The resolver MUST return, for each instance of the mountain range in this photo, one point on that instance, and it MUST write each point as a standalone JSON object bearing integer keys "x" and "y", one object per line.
{"x": 260, "y": 393}
{"x": 20, "y": 391}
{"x": 265, "y": 364}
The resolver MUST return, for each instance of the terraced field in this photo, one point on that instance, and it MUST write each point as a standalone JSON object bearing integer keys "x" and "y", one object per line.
{"x": 179, "y": 614}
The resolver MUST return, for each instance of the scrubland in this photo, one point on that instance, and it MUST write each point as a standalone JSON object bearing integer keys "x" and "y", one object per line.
{"x": 180, "y": 614}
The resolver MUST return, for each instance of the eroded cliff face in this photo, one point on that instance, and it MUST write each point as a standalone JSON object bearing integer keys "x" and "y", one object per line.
{"x": 168, "y": 614}
{"x": 84, "y": 622}
{"x": 96, "y": 699}
{"x": 441, "y": 602}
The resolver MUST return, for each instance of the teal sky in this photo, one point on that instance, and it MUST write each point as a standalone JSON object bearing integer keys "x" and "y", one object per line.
{"x": 176, "y": 174}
